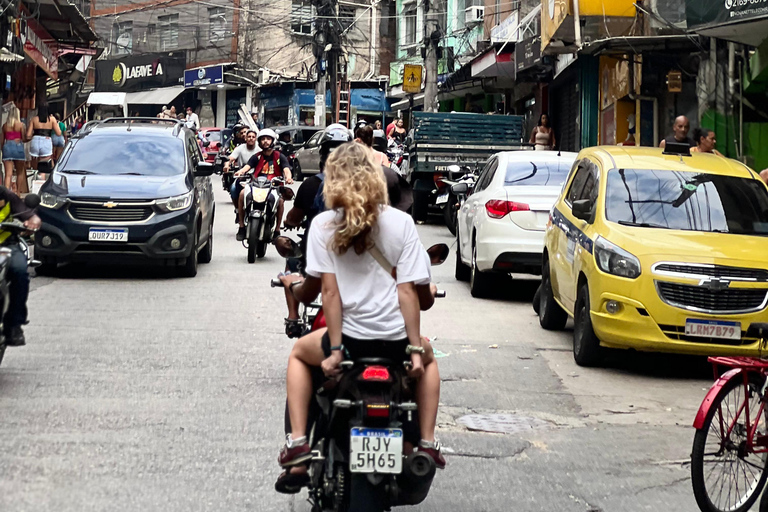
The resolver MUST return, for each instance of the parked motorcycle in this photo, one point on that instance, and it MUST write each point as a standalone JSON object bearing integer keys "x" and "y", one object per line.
{"x": 262, "y": 199}
{"x": 458, "y": 190}
{"x": 362, "y": 433}
{"x": 16, "y": 228}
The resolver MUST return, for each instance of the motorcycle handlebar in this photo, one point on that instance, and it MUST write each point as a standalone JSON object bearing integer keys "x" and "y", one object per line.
{"x": 276, "y": 283}
{"x": 440, "y": 294}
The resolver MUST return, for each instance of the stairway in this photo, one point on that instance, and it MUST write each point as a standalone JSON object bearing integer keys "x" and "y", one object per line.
{"x": 342, "y": 103}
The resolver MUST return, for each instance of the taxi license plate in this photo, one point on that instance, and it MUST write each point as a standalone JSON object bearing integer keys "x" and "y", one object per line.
{"x": 376, "y": 450}
{"x": 442, "y": 198}
{"x": 107, "y": 235}
{"x": 713, "y": 329}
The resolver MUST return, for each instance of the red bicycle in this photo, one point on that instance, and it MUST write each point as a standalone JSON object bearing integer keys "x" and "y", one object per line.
{"x": 730, "y": 448}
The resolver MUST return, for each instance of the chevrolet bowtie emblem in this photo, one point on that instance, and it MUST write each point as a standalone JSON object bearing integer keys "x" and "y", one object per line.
{"x": 715, "y": 284}
{"x": 109, "y": 205}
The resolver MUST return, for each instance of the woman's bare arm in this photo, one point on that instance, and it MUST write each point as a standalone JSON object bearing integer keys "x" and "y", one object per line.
{"x": 533, "y": 137}
{"x": 31, "y": 128}
{"x": 332, "y": 308}
{"x": 56, "y": 127}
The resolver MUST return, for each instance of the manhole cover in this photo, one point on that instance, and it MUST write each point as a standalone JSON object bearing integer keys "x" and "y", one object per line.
{"x": 502, "y": 423}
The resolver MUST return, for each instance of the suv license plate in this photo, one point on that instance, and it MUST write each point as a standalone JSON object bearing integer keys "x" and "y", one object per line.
{"x": 107, "y": 235}
{"x": 376, "y": 450}
{"x": 713, "y": 329}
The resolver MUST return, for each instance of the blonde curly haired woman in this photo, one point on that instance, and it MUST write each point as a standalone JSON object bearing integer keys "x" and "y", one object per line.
{"x": 369, "y": 312}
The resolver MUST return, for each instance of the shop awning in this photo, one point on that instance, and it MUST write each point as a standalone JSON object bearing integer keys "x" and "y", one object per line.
{"x": 418, "y": 100}
{"x": 155, "y": 96}
{"x": 106, "y": 98}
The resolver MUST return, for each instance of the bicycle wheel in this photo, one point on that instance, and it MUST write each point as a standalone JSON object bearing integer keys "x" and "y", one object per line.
{"x": 725, "y": 476}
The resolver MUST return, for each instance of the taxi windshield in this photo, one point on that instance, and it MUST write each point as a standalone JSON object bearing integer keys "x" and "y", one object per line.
{"x": 689, "y": 201}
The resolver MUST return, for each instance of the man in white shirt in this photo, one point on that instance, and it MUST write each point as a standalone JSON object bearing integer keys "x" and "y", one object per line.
{"x": 193, "y": 122}
{"x": 242, "y": 153}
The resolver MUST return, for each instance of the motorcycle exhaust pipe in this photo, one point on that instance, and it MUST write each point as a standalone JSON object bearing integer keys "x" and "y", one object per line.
{"x": 416, "y": 479}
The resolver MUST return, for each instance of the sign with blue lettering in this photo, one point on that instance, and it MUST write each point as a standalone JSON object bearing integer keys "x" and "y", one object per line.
{"x": 201, "y": 77}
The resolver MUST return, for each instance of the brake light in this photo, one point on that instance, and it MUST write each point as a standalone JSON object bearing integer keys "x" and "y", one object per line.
{"x": 438, "y": 178}
{"x": 376, "y": 373}
{"x": 377, "y": 410}
{"x": 497, "y": 208}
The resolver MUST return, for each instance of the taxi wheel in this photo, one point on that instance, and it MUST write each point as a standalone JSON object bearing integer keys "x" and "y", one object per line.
{"x": 551, "y": 316}
{"x": 586, "y": 347}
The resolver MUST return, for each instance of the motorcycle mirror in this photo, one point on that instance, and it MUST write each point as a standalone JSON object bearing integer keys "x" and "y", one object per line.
{"x": 288, "y": 194}
{"x": 460, "y": 189}
{"x": 32, "y": 201}
{"x": 438, "y": 253}
{"x": 287, "y": 248}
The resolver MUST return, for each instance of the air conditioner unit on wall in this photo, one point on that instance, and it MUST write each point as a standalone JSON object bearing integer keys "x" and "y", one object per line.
{"x": 474, "y": 14}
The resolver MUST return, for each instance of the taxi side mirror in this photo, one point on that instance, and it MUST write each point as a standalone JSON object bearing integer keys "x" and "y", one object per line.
{"x": 582, "y": 209}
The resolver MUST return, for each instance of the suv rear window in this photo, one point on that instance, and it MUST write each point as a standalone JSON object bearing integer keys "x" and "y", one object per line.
{"x": 540, "y": 172}
{"x": 125, "y": 153}
{"x": 687, "y": 201}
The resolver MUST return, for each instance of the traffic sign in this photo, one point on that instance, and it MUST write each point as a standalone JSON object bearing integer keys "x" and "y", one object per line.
{"x": 412, "y": 78}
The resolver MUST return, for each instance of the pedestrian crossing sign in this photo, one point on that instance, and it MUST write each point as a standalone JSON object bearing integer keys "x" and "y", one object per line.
{"x": 412, "y": 78}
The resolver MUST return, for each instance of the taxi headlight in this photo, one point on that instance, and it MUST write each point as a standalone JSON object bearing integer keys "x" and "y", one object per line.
{"x": 175, "y": 203}
{"x": 612, "y": 259}
{"x": 49, "y": 200}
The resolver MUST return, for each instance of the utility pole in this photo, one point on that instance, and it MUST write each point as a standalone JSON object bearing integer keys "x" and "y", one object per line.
{"x": 431, "y": 42}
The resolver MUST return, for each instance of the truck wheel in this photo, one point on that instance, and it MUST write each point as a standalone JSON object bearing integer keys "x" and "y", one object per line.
{"x": 551, "y": 316}
{"x": 586, "y": 347}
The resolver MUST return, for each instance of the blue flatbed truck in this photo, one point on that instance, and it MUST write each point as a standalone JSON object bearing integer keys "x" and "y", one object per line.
{"x": 440, "y": 140}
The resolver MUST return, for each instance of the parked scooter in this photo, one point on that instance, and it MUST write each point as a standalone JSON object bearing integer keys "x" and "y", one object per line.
{"x": 363, "y": 429}
{"x": 457, "y": 193}
{"x": 17, "y": 229}
{"x": 262, "y": 199}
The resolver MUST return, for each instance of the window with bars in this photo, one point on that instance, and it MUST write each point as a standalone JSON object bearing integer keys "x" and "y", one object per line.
{"x": 347, "y": 15}
{"x": 122, "y": 43}
{"x": 217, "y": 24}
{"x": 169, "y": 31}
{"x": 301, "y": 17}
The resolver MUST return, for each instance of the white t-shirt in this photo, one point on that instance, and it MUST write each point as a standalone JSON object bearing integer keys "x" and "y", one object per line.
{"x": 193, "y": 121}
{"x": 370, "y": 305}
{"x": 242, "y": 154}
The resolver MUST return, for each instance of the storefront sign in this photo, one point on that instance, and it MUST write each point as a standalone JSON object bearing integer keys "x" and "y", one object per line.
{"x": 527, "y": 54}
{"x": 412, "y": 78}
{"x": 702, "y": 13}
{"x": 139, "y": 73}
{"x": 508, "y": 30}
{"x": 39, "y": 45}
{"x": 201, "y": 77}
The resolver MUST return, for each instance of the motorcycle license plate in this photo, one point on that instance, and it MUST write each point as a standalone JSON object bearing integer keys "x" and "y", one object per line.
{"x": 713, "y": 329}
{"x": 376, "y": 450}
{"x": 442, "y": 198}
{"x": 107, "y": 235}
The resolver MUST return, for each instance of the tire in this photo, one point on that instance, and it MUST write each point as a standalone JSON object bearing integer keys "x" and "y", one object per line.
{"x": 2, "y": 352}
{"x": 189, "y": 268}
{"x": 297, "y": 174}
{"x": 551, "y": 316}
{"x": 450, "y": 214}
{"x": 699, "y": 479}
{"x": 537, "y": 300}
{"x": 463, "y": 272}
{"x": 364, "y": 497}
{"x": 253, "y": 239}
{"x": 46, "y": 269}
{"x": 480, "y": 283}
{"x": 586, "y": 346}
{"x": 206, "y": 254}
{"x": 261, "y": 249}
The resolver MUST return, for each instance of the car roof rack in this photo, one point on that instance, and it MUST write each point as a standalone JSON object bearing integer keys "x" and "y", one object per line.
{"x": 677, "y": 149}
{"x": 89, "y": 126}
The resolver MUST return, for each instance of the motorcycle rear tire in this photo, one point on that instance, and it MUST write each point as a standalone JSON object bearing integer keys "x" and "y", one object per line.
{"x": 253, "y": 239}
{"x": 364, "y": 497}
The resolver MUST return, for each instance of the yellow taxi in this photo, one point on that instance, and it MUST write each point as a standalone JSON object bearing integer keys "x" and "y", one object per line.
{"x": 657, "y": 250}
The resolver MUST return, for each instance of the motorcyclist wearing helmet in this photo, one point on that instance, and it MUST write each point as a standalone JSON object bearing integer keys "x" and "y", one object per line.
{"x": 269, "y": 163}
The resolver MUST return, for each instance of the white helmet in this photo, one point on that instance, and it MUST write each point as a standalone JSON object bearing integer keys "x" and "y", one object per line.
{"x": 267, "y": 132}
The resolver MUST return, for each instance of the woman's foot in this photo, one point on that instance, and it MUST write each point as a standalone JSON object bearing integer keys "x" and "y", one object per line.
{"x": 293, "y": 327}
{"x": 294, "y": 452}
{"x": 292, "y": 480}
{"x": 432, "y": 448}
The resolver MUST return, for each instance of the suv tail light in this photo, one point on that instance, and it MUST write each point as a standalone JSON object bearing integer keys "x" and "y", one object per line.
{"x": 497, "y": 208}
{"x": 376, "y": 373}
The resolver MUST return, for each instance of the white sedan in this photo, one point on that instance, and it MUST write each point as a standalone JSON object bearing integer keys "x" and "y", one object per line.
{"x": 501, "y": 225}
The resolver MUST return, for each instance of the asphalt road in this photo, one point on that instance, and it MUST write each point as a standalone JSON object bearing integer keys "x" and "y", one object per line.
{"x": 141, "y": 391}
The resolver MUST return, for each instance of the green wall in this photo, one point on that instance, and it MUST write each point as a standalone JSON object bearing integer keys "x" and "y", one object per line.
{"x": 726, "y": 131}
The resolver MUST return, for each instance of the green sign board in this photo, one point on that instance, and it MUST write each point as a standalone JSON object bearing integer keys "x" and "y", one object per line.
{"x": 710, "y": 13}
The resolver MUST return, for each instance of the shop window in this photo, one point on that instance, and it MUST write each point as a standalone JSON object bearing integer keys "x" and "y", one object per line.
{"x": 217, "y": 24}
{"x": 347, "y": 16}
{"x": 408, "y": 25}
{"x": 122, "y": 44}
{"x": 301, "y": 17}
{"x": 169, "y": 31}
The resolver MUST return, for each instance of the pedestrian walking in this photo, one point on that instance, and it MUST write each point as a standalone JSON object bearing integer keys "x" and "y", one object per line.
{"x": 40, "y": 129}
{"x": 193, "y": 121}
{"x": 14, "y": 158}
{"x": 58, "y": 140}
{"x": 680, "y": 129}
{"x": 543, "y": 135}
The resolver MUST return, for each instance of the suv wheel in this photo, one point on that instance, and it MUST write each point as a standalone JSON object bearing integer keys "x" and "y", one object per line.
{"x": 551, "y": 316}
{"x": 297, "y": 174}
{"x": 189, "y": 268}
{"x": 586, "y": 347}
{"x": 480, "y": 283}
{"x": 206, "y": 255}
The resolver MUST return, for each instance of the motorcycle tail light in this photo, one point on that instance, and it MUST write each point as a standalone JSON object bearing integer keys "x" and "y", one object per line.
{"x": 376, "y": 373}
{"x": 497, "y": 208}
{"x": 377, "y": 410}
{"x": 438, "y": 178}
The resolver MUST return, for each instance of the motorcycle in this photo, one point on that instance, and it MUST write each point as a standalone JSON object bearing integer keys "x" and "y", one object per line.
{"x": 227, "y": 178}
{"x": 362, "y": 431}
{"x": 289, "y": 150}
{"x": 397, "y": 158}
{"x": 310, "y": 315}
{"x": 262, "y": 199}
{"x": 455, "y": 195}
{"x": 16, "y": 228}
